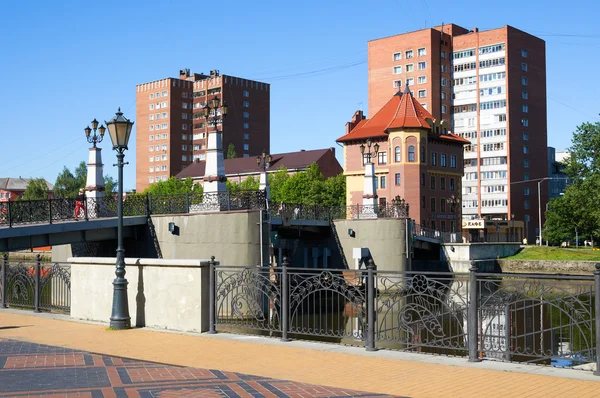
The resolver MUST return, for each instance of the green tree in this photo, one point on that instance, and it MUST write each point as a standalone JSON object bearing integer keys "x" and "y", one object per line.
{"x": 110, "y": 184}
{"x": 173, "y": 186}
{"x": 65, "y": 185}
{"x": 37, "y": 189}
{"x": 249, "y": 184}
{"x": 231, "y": 153}
{"x": 276, "y": 182}
{"x": 578, "y": 207}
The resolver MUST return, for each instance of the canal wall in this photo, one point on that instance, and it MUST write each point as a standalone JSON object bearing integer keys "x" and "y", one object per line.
{"x": 164, "y": 294}
{"x": 547, "y": 266}
{"x": 385, "y": 238}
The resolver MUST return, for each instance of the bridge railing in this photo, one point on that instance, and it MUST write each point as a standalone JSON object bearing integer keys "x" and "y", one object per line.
{"x": 532, "y": 318}
{"x": 35, "y": 285}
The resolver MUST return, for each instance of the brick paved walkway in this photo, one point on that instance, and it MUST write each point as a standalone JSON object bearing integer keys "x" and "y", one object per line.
{"x": 35, "y": 369}
{"x": 374, "y": 373}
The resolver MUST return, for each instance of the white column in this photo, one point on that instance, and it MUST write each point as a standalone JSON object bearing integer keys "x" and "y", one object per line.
{"x": 94, "y": 185}
{"x": 264, "y": 185}
{"x": 215, "y": 167}
{"x": 369, "y": 209}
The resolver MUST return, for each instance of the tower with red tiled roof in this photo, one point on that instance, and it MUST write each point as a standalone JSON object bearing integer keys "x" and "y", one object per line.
{"x": 418, "y": 160}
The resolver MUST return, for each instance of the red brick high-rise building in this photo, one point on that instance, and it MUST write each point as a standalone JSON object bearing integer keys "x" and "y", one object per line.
{"x": 490, "y": 86}
{"x": 171, "y": 132}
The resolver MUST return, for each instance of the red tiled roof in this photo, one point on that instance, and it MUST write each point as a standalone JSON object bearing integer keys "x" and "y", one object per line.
{"x": 291, "y": 160}
{"x": 401, "y": 111}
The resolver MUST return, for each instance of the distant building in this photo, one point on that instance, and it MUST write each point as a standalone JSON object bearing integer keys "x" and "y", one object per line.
{"x": 172, "y": 133}
{"x": 557, "y": 183}
{"x": 239, "y": 169}
{"x": 13, "y": 188}
{"x": 418, "y": 159}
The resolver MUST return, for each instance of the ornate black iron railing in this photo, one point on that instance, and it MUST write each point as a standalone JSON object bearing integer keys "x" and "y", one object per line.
{"x": 35, "y": 285}
{"x": 543, "y": 319}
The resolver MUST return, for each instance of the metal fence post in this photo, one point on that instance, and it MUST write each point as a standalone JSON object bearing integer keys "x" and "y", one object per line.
{"x": 285, "y": 295}
{"x": 473, "y": 316}
{"x": 211, "y": 297}
{"x": 597, "y": 313}
{"x": 4, "y": 282}
{"x": 187, "y": 202}
{"x": 148, "y": 204}
{"x": 86, "y": 208}
{"x": 9, "y": 214}
{"x": 371, "y": 306}
{"x": 38, "y": 267}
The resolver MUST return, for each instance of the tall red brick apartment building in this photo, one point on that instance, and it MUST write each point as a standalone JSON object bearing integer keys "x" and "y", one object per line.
{"x": 171, "y": 132}
{"x": 490, "y": 86}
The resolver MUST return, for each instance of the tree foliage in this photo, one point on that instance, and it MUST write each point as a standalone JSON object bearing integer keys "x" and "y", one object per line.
{"x": 173, "y": 186}
{"x": 68, "y": 184}
{"x": 37, "y": 189}
{"x": 578, "y": 207}
{"x": 249, "y": 184}
{"x": 231, "y": 153}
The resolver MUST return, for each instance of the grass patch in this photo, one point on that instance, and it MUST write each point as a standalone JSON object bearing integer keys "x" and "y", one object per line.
{"x": 556, "y": 253}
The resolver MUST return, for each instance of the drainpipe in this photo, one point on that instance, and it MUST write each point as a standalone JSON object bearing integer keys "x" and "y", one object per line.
{"x": 261, "y": 237}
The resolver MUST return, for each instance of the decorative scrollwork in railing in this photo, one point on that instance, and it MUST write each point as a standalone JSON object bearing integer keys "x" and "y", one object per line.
{"x": 424, "y": 312}
{"x": 20, "y": 285}
{"x": 55, "y": 287}
{"x": 247, "y": 298}
{"x": 322, "y": 302}
{"x": 537, "y": 319}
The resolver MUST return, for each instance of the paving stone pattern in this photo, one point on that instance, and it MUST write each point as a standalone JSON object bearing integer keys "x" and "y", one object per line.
{"x": 28, "y": 369}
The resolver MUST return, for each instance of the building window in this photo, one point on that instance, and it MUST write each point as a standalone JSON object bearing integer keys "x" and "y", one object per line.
{"x": 434, "y": 158}
{"x": 526, "y": 205}
{"x": 397, "y": 154}
{"x": 410, "y": 67}
{"x": 151, "y": 169}
{"x": 443, "y": 183}
{"x": 526, "y": 163}
{"x": 444, "y": 68}
{"x": 526, "y": 191}
{"x": 525, "y": 108}
{"x": 246, "y": 94}
{"x": 421, "y": 52}
{"x": 422, "y": 79}
{"x": 376, "y": 183}
{"x": 164, "y": 136}
{"x": 525, "y": 149}
{"x": 246, "y": 147}
{"x": 524, "y": 94}
{"x": 184, "y": 148}
{"x": 423, "y": 202}
{"x": 184, "y": 158}
{"x": 444, "y": 82}
{"x": 397, "y": 70}
{"x": 526, "y": 176}
{"x": 397, "y": 83}
{"x": 524, "y": 81}
{"x": 423, "y": 179}
{"x": 443, "y": 160}
{"x": 151, "y": 179}
{"x": 397, "y": 179}
{"x": 524, "y": 67}
{"x": 433, "y": 208}
{"x": 421, "y": 65}
{"x": 525, "y": 136}
{"x": 382, "y": 182}
{"x": 422, "y": 93}
{"x": 382, "y": 157}
{"x": 151, "y": 117}
{"x": 432, "y": 182}
{"x": 422, "y": 154}
{"x": 444, "y": 109}
{"x": 442, "y": 206}
{"x": 424, "y": 105}
{"x": 246, "y": 115}
{"x": 397, "y": 56}
{"x": 452, "y": 184}
{"x": 453, "y": 161}
{"x": 411, "y": 153}
{"x": 444, "y": 95}
{"x": 246, "y": 125}
{"x": 410, "y": 81}
{"x": 525, "y": 122}
{"x": 246, "y": 136}
{"x": 151, "y": 95}
{"x": 246, "y": 104}
{"x": 443, "y": 55}
{"x": 523, "y": 53}
{"x": 409, "y": 54}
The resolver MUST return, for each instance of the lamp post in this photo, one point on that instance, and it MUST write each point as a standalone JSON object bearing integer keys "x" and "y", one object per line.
{"x": 119, "y": 129}
{"x": 214, "y": 175}
{"x": 370, "y": 192}
{"x": 263, "y": 162}
{"x": 400, "y": 204}
{"x": 454, "y": 202}
{"x": 96, "y": 138}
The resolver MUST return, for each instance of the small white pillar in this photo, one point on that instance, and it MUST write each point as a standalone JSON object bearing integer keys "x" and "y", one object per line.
{"x": 264, "y": 185}
{"x": 94, "y": 185}
{"x": 369, "y": 209}
{"x": 214, "y": 173}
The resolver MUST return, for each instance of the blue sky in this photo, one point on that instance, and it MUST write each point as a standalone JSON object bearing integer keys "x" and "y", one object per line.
{"x": 66, "y": 62}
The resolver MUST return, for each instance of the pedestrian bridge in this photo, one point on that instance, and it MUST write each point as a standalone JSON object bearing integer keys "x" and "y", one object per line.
{"x": 34, "y": 223}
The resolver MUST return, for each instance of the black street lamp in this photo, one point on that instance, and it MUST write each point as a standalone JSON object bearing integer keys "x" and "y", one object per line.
{"x": 94, "y": 139}
{"x": 264, "y": 161}
{"x": 369, "y": 153}
{"x": 453, "y": 201}
{"x": 119, "y": 128}
{"x": 212, "y": 118}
